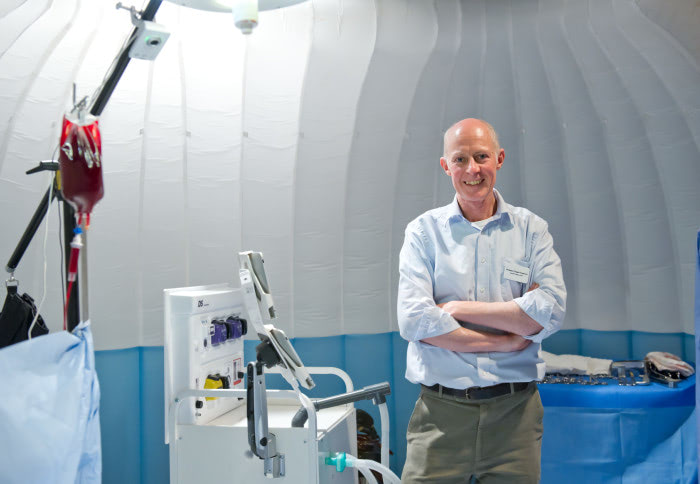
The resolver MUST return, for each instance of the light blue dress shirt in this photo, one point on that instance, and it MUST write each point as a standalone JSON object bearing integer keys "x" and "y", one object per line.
{"x": 447, "y": 258}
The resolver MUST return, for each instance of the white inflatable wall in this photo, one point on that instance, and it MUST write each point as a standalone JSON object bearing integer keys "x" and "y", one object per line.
{"x": 317, "y": 138}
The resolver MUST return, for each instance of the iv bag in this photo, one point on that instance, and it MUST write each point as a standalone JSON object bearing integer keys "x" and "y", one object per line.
{"x": 80, "y": 161}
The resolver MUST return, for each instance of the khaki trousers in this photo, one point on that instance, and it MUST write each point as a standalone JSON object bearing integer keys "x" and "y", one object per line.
{"x": 456, "y": 440}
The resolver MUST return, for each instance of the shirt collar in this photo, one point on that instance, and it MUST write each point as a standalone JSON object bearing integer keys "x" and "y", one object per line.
{"x": 454, "y": 213}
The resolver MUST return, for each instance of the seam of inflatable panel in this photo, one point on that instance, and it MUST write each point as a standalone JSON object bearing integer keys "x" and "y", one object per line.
{"x": 244, "y": 141}
{"x": 351, "y": 148}
{"x": 292, "y": 287}
{"x": 517, "y": 107}
{"x": 187, "y": 260}
{"x": 673, "y": 226}
{"x": 681, "y": 48}
{"x": 611, "y": 160}
{"x": 482, "y": 63}
{"x": 655, "y": 160}
{"x": 567, "y": 173}
{"x": 446, "y": 122}
{"x": 47, "y": 6}
{"x": 390, "y": 246}
{"x": 32, "y": 77}
{"x": 142, "y": 191}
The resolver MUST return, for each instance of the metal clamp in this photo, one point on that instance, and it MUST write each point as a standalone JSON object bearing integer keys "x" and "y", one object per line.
{"x": 630, "y": 372}
{"x": 135, "y": 14}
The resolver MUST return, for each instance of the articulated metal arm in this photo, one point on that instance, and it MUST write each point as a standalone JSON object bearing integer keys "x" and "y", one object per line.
{"x": 262, "y": 442}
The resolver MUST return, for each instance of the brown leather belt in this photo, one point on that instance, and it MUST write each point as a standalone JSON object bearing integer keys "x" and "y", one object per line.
{"x": 480, "y": 393}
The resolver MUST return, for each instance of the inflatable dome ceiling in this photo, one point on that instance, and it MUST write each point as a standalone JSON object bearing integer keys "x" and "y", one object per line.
{"x": 317, "y": 138}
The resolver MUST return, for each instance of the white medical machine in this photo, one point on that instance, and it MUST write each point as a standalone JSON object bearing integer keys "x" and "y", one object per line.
{"x": 223, "y": 425}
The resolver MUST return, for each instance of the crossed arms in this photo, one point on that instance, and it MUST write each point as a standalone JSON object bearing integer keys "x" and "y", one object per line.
{"x": 530, "y": 318}
{"x": 506, "y": 316}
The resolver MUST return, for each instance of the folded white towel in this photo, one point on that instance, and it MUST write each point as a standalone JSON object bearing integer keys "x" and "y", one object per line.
{"x": 575, "y": 364}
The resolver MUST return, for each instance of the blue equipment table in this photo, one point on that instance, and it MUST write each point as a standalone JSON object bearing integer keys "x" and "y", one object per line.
{"x": 619, "y": 434}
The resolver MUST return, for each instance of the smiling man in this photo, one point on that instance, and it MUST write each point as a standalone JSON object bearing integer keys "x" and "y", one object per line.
{"x": 480, "y": 287}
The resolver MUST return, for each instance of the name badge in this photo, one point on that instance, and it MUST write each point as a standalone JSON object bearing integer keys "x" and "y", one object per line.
{"x": 515, "y": 272}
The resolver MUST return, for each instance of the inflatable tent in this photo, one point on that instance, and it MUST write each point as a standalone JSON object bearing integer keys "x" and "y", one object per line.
{"x": 317, "y": 138}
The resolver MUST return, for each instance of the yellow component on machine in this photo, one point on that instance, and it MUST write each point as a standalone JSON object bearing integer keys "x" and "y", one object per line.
{"x": 213, "y": 382}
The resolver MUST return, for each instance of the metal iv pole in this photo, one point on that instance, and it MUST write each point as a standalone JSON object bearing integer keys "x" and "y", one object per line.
{"x": 98, "y": 104}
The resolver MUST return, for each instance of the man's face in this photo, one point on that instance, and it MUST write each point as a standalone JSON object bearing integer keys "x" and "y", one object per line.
{"x": 472, "y": 159}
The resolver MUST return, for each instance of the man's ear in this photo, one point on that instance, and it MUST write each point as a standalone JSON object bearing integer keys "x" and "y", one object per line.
{"x": 445, "y": 166}
{"x": 501, "y": 157}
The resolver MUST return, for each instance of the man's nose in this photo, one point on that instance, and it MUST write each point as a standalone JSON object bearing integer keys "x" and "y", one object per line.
{"x": 472, "y": 166}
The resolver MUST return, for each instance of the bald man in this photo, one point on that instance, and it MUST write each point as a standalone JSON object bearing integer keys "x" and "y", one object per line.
{"x": 480, "y": 287}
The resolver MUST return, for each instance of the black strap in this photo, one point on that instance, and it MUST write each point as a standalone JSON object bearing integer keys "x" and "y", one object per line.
{"x": 16, "y": 317}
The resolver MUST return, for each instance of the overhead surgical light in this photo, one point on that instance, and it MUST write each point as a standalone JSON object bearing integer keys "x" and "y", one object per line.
{"x": 245, "y": 12}
{"x": 245, "y": 15}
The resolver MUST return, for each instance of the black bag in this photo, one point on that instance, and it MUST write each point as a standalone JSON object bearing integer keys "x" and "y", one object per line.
{"x": 16, "y": 317}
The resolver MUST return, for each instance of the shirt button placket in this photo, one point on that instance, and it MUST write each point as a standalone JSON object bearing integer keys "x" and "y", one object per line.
{"x": 482, "y": 274}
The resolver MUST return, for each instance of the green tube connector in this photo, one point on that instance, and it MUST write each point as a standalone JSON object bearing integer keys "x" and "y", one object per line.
{"x": 338, "y": 460}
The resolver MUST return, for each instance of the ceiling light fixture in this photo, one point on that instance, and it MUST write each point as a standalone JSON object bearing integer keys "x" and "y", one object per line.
{"x": 245, "y": 12}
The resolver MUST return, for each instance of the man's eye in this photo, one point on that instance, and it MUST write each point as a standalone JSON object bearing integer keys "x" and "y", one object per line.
{"x": 459, "y": 159}
{"x": 482, "y": 156}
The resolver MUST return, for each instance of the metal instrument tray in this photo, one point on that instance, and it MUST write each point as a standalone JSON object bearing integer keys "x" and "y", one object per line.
{"x": 630, "y": 372}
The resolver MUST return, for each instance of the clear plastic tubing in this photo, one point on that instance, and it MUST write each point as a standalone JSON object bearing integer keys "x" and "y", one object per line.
{"x": 389, "y": 476}
{"x": 384, "y": 414}
{"x": 365, "y": 471}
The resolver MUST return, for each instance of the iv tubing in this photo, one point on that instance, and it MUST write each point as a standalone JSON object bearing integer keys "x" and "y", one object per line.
{"x": 46, "y": 236}
{"x": 75, "y": 245}
{"x": 83, "y": 268}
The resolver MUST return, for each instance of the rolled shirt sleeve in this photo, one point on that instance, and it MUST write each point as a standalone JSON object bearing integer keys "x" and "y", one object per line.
{"x": 546, "y": 304}
{"x": 418, "y": 315}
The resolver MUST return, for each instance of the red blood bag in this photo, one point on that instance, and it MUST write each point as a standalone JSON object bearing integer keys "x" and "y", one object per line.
{"x": 80, "y": 160}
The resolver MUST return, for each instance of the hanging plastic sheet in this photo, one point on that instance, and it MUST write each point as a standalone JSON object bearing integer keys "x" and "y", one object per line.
{"x": 622, "y": 446}
{"x": 619, "y": 434}
{"x": 49, "y": 410}
{"x": 697, "y": 335}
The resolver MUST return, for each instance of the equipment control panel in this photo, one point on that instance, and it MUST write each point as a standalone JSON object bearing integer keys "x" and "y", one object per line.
{"x": 204, "y": 331}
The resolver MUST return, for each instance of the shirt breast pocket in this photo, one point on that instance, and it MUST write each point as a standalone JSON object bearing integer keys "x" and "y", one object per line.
{"x": 515, "y": 277}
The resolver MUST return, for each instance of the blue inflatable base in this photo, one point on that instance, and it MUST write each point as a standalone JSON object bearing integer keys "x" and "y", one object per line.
{"x": 132, "y": 415}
